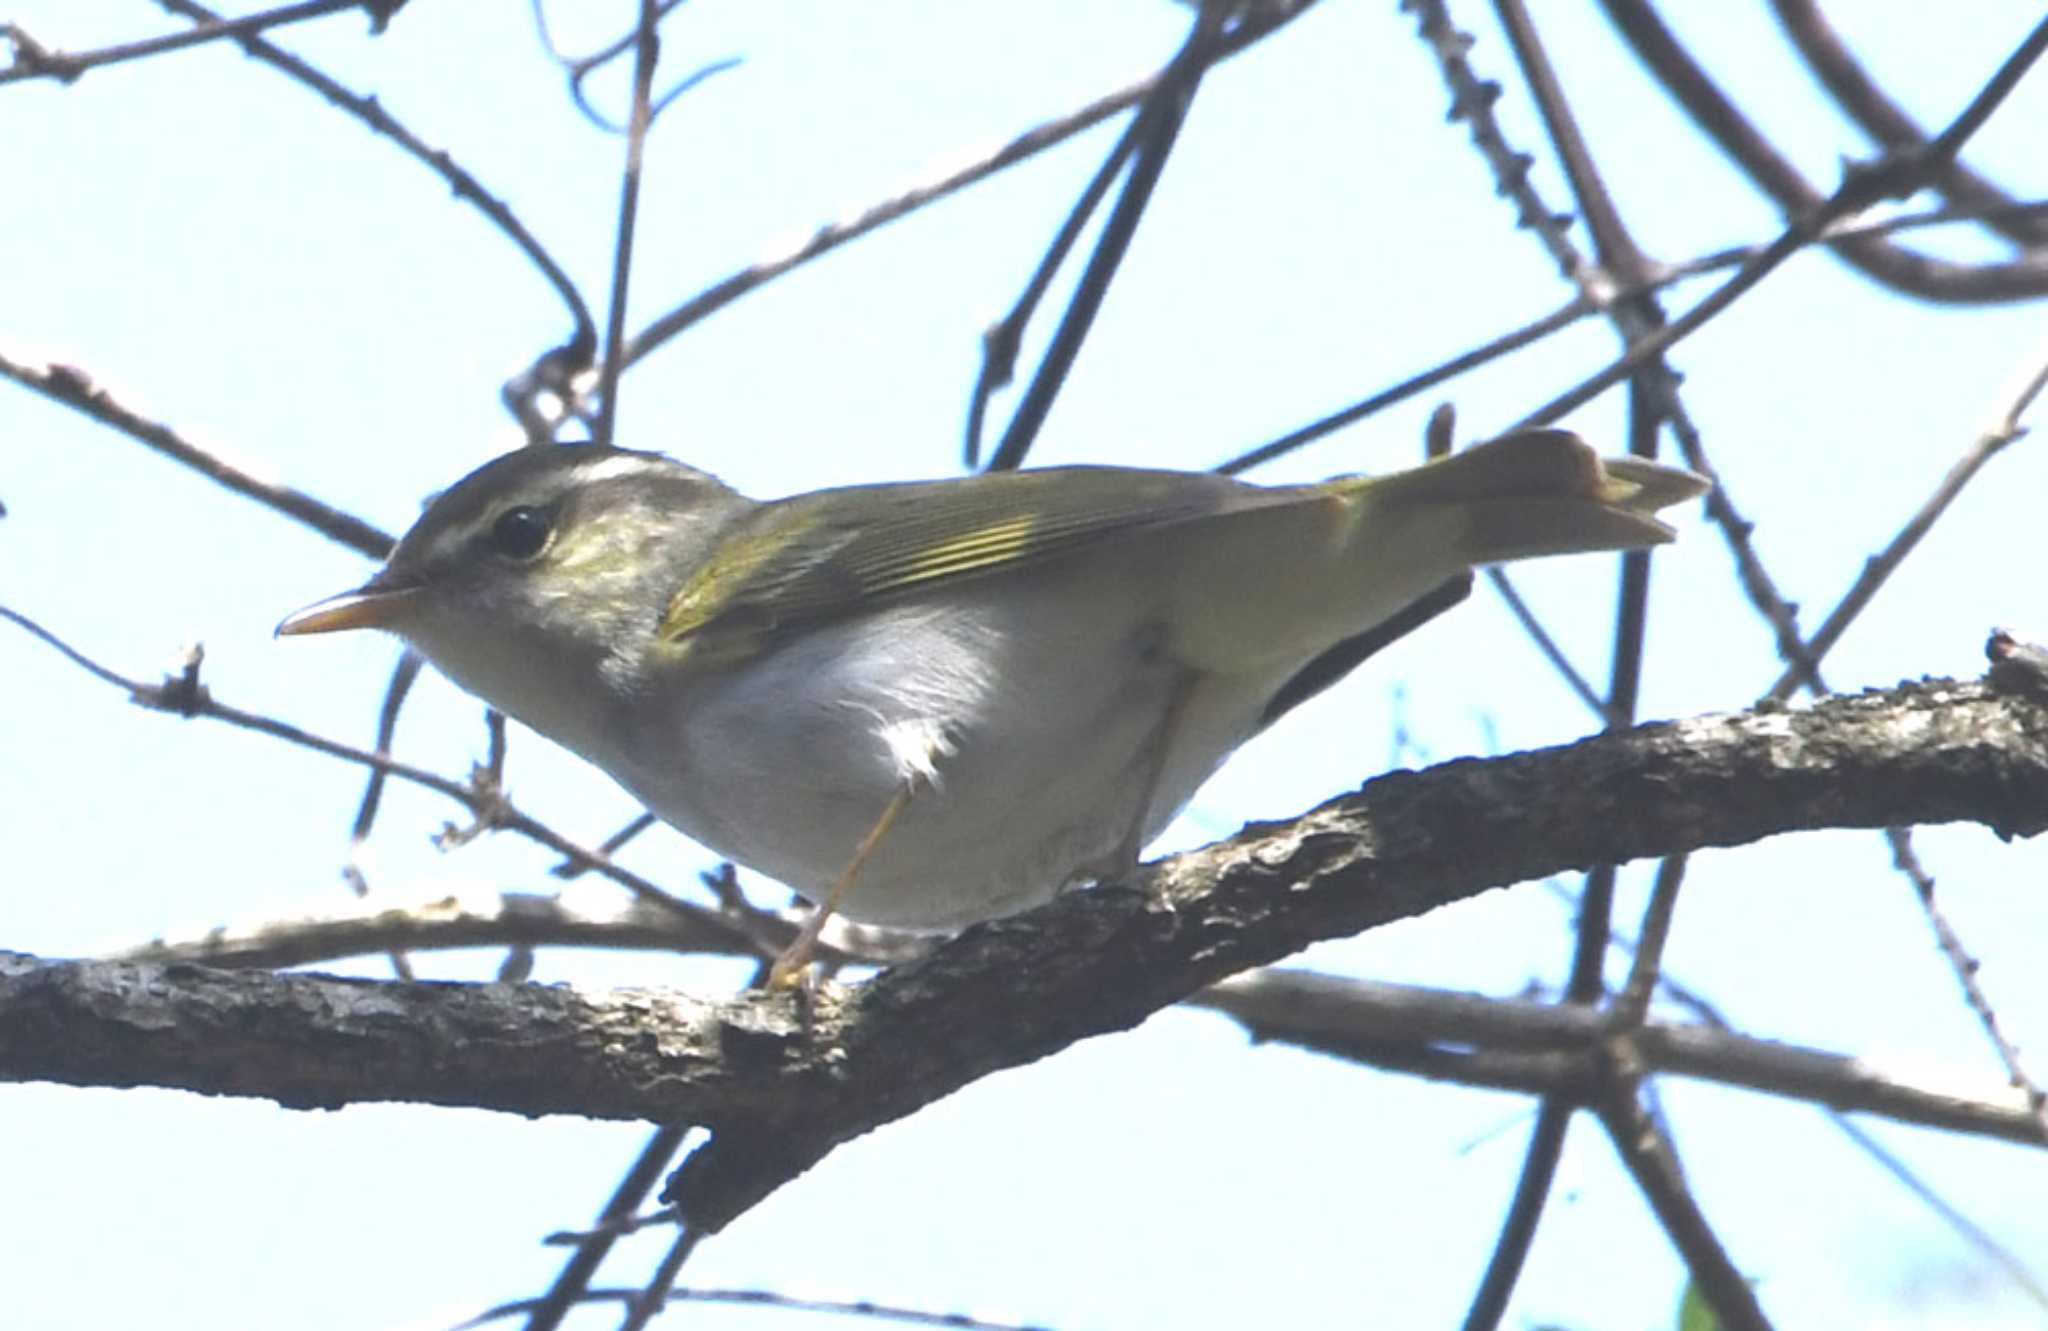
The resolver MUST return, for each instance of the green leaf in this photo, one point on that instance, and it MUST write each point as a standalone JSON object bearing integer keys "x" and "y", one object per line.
{"x": 1694, "y": 1312}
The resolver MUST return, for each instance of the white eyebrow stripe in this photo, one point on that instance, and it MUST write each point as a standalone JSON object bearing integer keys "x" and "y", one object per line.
{"x": 621, "y": 466}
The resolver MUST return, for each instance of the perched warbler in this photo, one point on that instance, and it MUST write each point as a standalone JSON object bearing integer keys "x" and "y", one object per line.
{"x": 931, "y": 703}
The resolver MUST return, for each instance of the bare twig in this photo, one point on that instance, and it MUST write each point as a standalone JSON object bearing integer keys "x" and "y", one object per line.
{"x": 1150, "y": 141}
{"x": 572, "y": 1284}
{"x": 1803, "y": 657}
{"x": 639, "y": 823}
{"x": 1894, "y": 177}
{"x": 765, "y": 1298}
{"x": 1026, "y": 145}
{"x": 1889, "y": 125}
{"x": 582, "y": 342}
{"x": 1632, "y": 1005}
{"x": 1524, "y": 1211}
{"x": 1551, "y": 650}
{"x": 2014, "y": 403}
{"x": 654, "y": 1294}
{"x": 647, "y": 50}
{"x": 34, "y": 61}
{"x": 443, "y": 916}
{"x": 403, "y": 676}
{"x": 1911, "y": 271}
{"x": 1580, "y": 307}
{"x": 1966, "y": 1229}
{"x": 1964, "y": 967}
{"x": 1649, "y": 1157}
{"x": 1000, "y": 344}
{"x": 1341, "y": 1015}
{"x": 617, "y": 1227}
{"x": 187, "y": 698}
{"x": 580, "y": 67}
{"x": 73, "y": 388}
{"x": 1527, "y": 335}
{"x": 1652, "y": 400}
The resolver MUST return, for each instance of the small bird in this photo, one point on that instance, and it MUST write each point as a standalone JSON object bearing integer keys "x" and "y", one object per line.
{"x": 926, "y": 704}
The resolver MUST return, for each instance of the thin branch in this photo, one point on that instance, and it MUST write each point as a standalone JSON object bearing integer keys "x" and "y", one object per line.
{"x": 2004, "y": 428}
{"x": 1910, "y": 271}
{"x": 1472, "y": 101}
{"x": 184, "y": 696}
{"x": 1755, "y": 580}
{"x": 647, "y": 50}
{"x": 653, "y": 1296}
{"x": 1524, "y": 1212}
{"x": 1550, "y": 649}
{"x": 1900, "y": 173}
{"x": 34, "y": 61}
{"x": 1527, "y": 335}
{"x": 1632, "y": 1005}
{"x": 573, "y": 1282}
{"x": 1965, "y": 969}
{"x": 582, "y": 343}
{"x": 1004, "y": 338}
{"x": 1342, "y": 1016}
{"x": 1650, "y": 1159}
{"x": 1888, "y": 124}
{"x": 639, "y": 823}
{"x": 2032, "y": 211}
{"x": 1151, "y": 141}
{"x": 1026, "y": 145}
{"x": 403, "y": 676}
{"x": 439, "y": 918}
{"x": 444, "y": 916}
{"x": 580, "y": 68}
{"x": 73, "y": 388}
{"x": 833, "y": 235}
{"x": 765, "y": 1298}
{"x": 1966, "y": 1229}
{"x": 1652, "y": 399}
{"x": 618, "y": 1227}
{"x": 1580, "y": 307}
{"x": 1895, "y": 177}
{"x": 1837, "y": 1081}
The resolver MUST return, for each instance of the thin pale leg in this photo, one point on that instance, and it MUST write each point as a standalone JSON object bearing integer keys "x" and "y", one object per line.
{"x": 789, "y": 968}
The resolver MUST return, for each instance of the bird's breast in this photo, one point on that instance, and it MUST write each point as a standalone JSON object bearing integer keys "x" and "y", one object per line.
{"x": 1019, "y": 723}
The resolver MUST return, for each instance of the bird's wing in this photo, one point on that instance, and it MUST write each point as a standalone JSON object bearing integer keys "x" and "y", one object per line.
{"x": 828, "y": 554}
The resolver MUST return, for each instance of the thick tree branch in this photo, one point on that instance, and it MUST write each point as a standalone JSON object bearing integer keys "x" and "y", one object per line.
{"x": 780, "y": 1088}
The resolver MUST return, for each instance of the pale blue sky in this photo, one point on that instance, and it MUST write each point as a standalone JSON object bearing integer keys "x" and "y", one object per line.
{"x": 225, "y": 253}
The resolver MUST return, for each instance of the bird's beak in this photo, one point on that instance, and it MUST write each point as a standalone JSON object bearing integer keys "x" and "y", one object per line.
{"x": 370, "y": 606}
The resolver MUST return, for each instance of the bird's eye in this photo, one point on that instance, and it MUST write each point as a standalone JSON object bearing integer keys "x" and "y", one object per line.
{"x": 520, "y": 533}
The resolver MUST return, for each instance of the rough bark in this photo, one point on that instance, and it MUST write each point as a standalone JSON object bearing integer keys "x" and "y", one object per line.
{"x": 780, "y": 1086}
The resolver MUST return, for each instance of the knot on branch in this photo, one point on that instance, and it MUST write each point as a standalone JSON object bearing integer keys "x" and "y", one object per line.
{"x": 180, "y": 691}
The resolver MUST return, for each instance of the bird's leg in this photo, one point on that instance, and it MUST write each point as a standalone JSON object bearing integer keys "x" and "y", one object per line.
{"x": 789, "y": 968}
{"x": 1118, "y": 864}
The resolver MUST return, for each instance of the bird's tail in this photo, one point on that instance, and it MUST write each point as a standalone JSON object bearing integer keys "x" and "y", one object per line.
{"x": 1275, "y": 585}
{"x": 1535, "y": 492}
